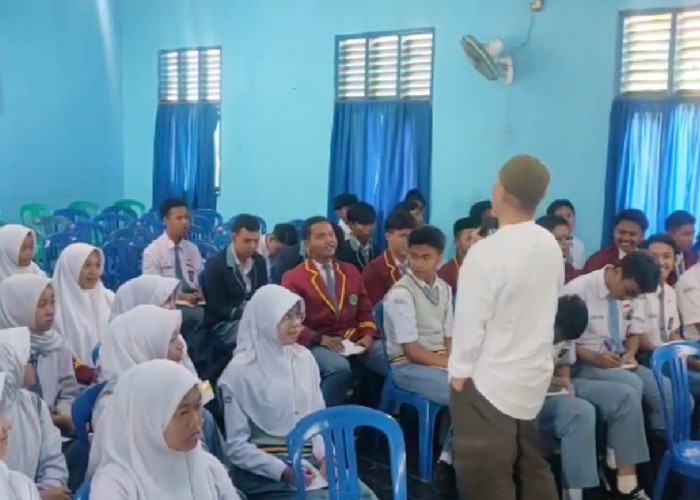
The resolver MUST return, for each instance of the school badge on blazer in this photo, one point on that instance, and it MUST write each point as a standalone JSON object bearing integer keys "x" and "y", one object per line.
{"x": 353, "y": 300}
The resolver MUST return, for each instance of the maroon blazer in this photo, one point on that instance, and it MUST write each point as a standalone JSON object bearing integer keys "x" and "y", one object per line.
{"x": 689, "y": 260}
{"x": 352, "y": 319}
{"x": 379, "y": 276}
{"x": 602, "y": 258}
{"x": 570, "y": 272}
{"x": 450, "y": 273}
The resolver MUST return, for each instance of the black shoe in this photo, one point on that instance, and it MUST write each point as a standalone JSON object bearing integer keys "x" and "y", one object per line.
{"x": 445, "y": 480}
{"x": 637, "y": 494}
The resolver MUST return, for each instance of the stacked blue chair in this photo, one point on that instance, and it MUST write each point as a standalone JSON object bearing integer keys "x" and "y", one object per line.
{"x": 55, "y": 244}
{"x": 73, "y": 214}
{"x": 683, "y": 455}
{"x": 204, "y": 223}
{"x": 393, "y": 397}
{"x": 52, "y": 224}
{"x": 136, "y": 234}
{"x": 90, "y": 232}
{"x": 299, "y": 224}
{"x": 213, "y": 217}
{"x": 121, "y": 210}
{"x": 222, "y": 240}
{"x": 337, "y": 426}
{"x": 154, "y": 226}
{"x": 122, "y": 262}
{"x": 199, "y": 234}
{"x": 206, "y": 250}
{"x": 112, "y": 221}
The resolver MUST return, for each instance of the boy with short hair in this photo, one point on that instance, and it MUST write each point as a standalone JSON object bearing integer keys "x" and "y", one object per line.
{"x": 418, "y": 320}
{"x": 680, "y": 226}
{"x": 630, "y": 227}
{"x": 481, "y": 210}
{"x": 357, "y": 248}
{"x": 565, "y": 209}
{"x": 463, "y": 229}
{"x": 341, "y": 204}
{"x": 562, "y": 233}
{"x": 381, "y": 274}
{"x": 417, "y": 197}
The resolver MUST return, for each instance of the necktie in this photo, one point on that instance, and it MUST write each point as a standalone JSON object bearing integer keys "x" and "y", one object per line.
{"x": 432, "y": 293}
{"x": 681, "y": 264}
{"x": 662, "y": 316}
{"x": 178, "y": 264}
{"x": 403, "y": 268}
{"x": 614, "y": 324}
{"x": 330, "y": 283}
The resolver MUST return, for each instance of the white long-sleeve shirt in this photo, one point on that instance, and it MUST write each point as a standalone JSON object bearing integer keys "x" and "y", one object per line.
{"x": 507, "y": 297}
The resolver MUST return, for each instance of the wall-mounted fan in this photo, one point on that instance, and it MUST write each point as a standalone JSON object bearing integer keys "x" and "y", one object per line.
{"x": 491, "y": 60}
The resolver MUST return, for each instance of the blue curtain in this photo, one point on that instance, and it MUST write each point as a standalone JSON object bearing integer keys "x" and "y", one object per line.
{"x": 184, "y": 154}
{"x": 653, "y": 160}
{"x": 379, "y": 151}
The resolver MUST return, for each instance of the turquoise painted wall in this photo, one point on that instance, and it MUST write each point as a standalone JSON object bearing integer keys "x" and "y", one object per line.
{"x": 60, "y": 103}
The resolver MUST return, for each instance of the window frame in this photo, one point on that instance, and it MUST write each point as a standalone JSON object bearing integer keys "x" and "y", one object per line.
{"x": 368, "y": 35}
{"x": 670, "y": 84}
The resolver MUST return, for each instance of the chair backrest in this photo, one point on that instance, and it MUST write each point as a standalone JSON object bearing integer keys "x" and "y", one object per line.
{"x": 53, "y": 247}
{"x": 73, "y": 214}
{"x": 82, "y": 413}
{"x": 379, "y": 321}
{"x": 299, "y": 224}
{"x": 86, "y": 206}
{"x": 671, "y": 359}
{"x": 122, "y": 210}
{"x": 83, "y": 492}
{"x": 51, "y": 224}
{"x": 90, "y": 232}
{"x": 337, "y": 426}
{"x": 112, "y": 221}
{"x": 214, "y": 217}
{"x": 203, "y": 222}
{"x": 206, "y": 250}
{"x": 222, "y": 240}
{"x": 32, "y": 211}
{"x": 122, "y": 262}
{"x": 135, "y": 206}
{"x": 198, "y": 233}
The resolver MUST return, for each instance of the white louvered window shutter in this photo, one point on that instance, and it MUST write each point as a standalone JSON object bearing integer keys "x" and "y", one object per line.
{"x": 416, "y": 66}
{"x": 383, "y": 67}
{"x": 190, "y": 75}
{"x": 644, "y": 62}
{"x": 686, "y": 67}
{"x": 351, "y": 67}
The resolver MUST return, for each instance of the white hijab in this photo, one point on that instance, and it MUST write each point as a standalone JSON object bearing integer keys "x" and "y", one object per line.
{"x": 274, "y": 384}
{"x": 144, "y": 401}
{"x": 81, "y": 315}
{"x": 137, "y": 336}
{"x": 11, "y": 238}
{"x": 145, "y": 289}
{"x": 19, "y": 297}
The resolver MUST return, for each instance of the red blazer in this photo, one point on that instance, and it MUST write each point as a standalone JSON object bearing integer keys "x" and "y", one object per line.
{"x": 379, "y": 276}
{"x": 449, "y": 273}
{"x": 354, "y": 318}
{"x": 602, "y": 258}
{"x": 570, "y": 272}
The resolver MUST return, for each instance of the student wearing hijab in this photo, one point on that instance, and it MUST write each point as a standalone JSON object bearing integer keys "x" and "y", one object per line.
{"x": 17, "y": 249}
{"x": 13, "y": 485}
{"x": 34, "y": 443}
{"x": 269, "y": 385}
{"x": 83, "y": 304}
{"x": 27, "y": 300}
{"x": 145, "y": 289}
{"x": 156, "y": 454}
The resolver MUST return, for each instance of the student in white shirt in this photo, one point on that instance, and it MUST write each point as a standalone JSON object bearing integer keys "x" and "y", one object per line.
{"x": 13, "y": 485}
{"x": 150, "y": 447}
{"x": 270, "y": 384}
{"x": 34, "y": 442}
{"x": 27, "y": 300}
{"x": 83, "y": 304}
{"x": 680, "y": 226}
{"x": 418, "y": 321}
{"x": 17, "y": 250}
{"x": 501, "y": 360}
{"x": 688, "y": 295}
{"x": 565, "y": 209}
{"x": 341, "y": 203}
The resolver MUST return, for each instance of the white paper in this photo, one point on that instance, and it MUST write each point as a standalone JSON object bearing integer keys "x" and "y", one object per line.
{"x": 561, "y": 392}
{"x": 318, "y": 482}
{"x": 626, "y": 366}
{"x": 350, "y": 348}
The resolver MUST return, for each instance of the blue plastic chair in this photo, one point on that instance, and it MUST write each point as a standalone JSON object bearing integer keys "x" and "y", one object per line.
{"x": 299, "y": 224}
{"x": 393, "y": 397}
{"x": 83, "y": 492}
{"x": 52, "y": 224}
{"x": 337, "y": 426}
{"x": 112, "y": 221}
{"x": 73, "y": 214}
{"x": 154, "y": 227}
{"x": 206, "y": 250}
{"x": 82, "y": 417}
{"x": 222, "y": 240}
{"x": 198, "y": 233}
{"x": 122, "y": 262}
{"x": 137, "y": 234}
{"x": 683, "y": 455}
{"x": 121, "y": 210}
{"x": 214, "y": 217}
{"x": 204, "y": 222}
{"x": 90, "y": 232}
{"x": 54, "y": 245}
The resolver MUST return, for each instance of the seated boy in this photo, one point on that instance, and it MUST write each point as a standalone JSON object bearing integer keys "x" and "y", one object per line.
{"x": 630, "y": 226}
{"x": 562, "y": 233}
{"x": 341, "y": 203}
{"x": 680, "y": 226}
{"x": 357, "y": 248}
{"x": 381, "y": 274}
{"x": 570, "y": 418}
{"x": 565, "y": 209}
{"x": 463, "y": 230}
{"x": 418, "y": 320}
{"x": 337, "y": 308}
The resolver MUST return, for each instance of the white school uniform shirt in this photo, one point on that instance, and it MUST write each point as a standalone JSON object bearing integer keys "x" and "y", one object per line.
{"x": 16, "y": 486}
{"x": 133, "y": 461}
{"x": 578, "y": 254}
{"x": 265, "y": 254}
{"x": 504, "y": 325}
{"x": 346, "y": 229}
{"x": 592, "y": 290}
{"x": 159, "y": 258}
{"x": 688, "y": 296}
{"x": 654, "y": 322}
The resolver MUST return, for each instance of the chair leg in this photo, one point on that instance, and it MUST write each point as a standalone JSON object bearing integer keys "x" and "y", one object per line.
{"x": 662, "y": 477}
{"x": 384, "y": 406}
{"x": 427, "y": 419}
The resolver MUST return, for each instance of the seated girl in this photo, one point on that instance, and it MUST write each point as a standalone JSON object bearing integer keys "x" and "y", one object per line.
{"x": 28, "y": 300}
{"x": 14, "y": 485}
{"x": 156, "y": 454}
{"x": 35, "y": 444}
{"x": 269, "y": 385}
{"x": 146, "y": 289}
{"x": 17, "y": 249}
{"x": 83, "y": 304}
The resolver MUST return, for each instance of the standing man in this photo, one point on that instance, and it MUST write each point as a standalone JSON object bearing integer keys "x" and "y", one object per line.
{"x": 501, "y": 361}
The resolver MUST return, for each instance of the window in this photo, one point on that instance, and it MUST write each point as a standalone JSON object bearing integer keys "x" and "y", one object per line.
{"x": 395, "y": 65}
{"x": 192, "y": 75}
{"x": 660, "y": 52}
